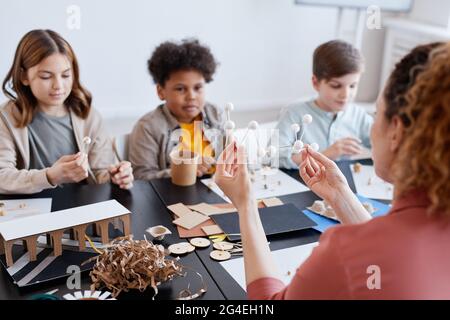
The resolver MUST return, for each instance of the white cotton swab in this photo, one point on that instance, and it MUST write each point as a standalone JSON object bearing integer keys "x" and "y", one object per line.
{"x": 229, "y": 124}
{"x": 86, "y": 142}
{"x": 228, "y": 108}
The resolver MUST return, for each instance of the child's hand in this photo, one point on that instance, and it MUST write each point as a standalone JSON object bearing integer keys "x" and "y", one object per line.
{"x": 347, "y": 146}
{"x": 122, "y": 174}
{"x": 232, "y": 176}
{"x": 205, "y": 166}
{"x": 68, "y": 169}
{"x": 322, "y": 175}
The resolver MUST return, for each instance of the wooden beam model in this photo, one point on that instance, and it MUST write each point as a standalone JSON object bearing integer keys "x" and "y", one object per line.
{"x": 28, "y": 229}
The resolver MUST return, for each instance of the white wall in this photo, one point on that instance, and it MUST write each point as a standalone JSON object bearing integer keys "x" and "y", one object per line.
{"x": 434, "y": 12}
{"x": 264, "y": 46}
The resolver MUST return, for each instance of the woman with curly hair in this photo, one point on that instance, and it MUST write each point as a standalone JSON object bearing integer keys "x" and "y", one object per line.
{"x": 48, "y": 115}
{"x": 181, "y": 72}
{"x": 402, "y": 255}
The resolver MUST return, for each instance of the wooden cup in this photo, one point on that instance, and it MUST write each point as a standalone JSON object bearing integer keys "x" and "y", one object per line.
{"x": 183, "y": 167}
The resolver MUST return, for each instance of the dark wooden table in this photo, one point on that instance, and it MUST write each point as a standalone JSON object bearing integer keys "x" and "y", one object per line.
{"x": 171, "y": 194}
{"x": 147, "y": 210}
{"x": 147, "y": 202}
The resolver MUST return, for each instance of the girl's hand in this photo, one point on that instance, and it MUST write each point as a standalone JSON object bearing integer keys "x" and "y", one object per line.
{"x": 68, "y": 169}
{"x": 322, "y": 175}
{"x": 232, "y": 176}
{"x": 122, "y": 174}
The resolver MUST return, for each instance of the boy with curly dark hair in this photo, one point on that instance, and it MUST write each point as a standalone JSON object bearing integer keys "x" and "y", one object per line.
{"x": 180, "y": 72}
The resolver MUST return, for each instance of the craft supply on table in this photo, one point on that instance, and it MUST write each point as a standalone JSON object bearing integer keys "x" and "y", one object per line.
{"x": 191, "y": 220}
{"x": 218, "y": 238}
{"x": 158, "y": 232}
{"x": 287, "y": 265}
{"x": 323, "y": 222}
{"x": 322, "y": 208}
{"x": 220, "y": 255}
{"x": 55, "y": 223}
{"x": 132, "y": 264}
{"x": 178, "y": 248}
{"x": 211, "y": 230}
{"x": 275, "y": 220}
{"x": 369, "y": 185}
{"x": 183, "y": 167}
{"x": 223, "y": 245}
{"x": 200, "y": 242}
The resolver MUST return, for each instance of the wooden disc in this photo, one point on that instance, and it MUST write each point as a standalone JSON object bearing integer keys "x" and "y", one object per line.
{"x": 189, "y": 247}
{"x": 220, "y": 255}
{"x": 223, "y": 245}
{"x": 178, "y": 248}
{"x": 200, "y": 242}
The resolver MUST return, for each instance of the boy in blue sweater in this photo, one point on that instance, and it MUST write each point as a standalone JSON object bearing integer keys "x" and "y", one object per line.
{"x": 339, "y": 127}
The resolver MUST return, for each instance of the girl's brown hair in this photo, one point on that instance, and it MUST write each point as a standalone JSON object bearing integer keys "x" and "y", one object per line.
{"x": 34, "y": 47}
{"x": 424, "y": 156}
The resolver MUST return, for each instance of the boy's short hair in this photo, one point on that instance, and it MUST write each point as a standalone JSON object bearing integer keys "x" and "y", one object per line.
{"x": 171, "y": 57}
{"x": 336, "y": 58}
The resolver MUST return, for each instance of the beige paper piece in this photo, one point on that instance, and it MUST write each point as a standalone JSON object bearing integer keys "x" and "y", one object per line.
{"x": 272, "y": 202}
{"x": 208, "y": 209}
{"x": 179, "y": 209}
{"x": 189, "y": 221}
{"x": 210, "y": 230}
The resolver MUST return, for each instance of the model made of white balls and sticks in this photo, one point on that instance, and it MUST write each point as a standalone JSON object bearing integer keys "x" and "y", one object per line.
{"x": 298, "y": 143}
{"x": 271, "y": 151}
{"x": 230, "y": 126}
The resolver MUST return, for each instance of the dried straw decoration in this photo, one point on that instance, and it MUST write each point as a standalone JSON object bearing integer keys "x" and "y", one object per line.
{"x": 132, "y": 264}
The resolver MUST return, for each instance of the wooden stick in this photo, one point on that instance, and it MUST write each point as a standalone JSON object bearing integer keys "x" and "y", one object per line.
{"x": 31, "y": 243}
{"x": 7, "y": 247}
{"x": 80, "y": 232}
{"x": 104, "y": 232}
{"x": 57, "y": 242}
{"x": 126, "y": 224}
{"x": 2, "y": 249}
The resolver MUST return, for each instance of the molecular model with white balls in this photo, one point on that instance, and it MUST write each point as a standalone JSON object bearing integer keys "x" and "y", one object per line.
{"x": 307, "y": 119}
{"x": 229, "y": 125}
{"x": 271, "y": 151}
{"x": 298, "y": 143}
{"x": 315, "y": 146}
